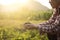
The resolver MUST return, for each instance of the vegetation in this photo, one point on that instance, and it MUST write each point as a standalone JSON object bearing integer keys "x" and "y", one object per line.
{"x": 11, "y": 27}
{"x": 17, "y": 34}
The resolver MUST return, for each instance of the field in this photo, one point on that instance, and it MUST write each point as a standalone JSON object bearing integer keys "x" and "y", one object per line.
{"x": 15, "y": 13}
{"x": 13, "y": 30}
{"x": 11, "y": 25}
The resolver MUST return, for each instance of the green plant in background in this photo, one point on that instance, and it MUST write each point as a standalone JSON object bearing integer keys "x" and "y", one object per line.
{"x": 41, "y": 15}
{"x": 16, "y": 33}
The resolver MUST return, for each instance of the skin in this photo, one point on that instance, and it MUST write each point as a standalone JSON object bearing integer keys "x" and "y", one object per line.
{"x": 54, "y": 3}
{"x": 30, "y": 26}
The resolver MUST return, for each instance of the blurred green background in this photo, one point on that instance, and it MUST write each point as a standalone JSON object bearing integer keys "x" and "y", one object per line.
{"x": 11, "y": 22}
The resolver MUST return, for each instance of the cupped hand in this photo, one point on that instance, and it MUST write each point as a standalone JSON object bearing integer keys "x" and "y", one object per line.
{"x": 29, "y": 25}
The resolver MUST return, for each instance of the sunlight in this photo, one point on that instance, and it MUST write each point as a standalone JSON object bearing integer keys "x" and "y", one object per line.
{"x": 8, "y": 2}
{"x": 23, "y": 1}
{"x": 13, "y": 5}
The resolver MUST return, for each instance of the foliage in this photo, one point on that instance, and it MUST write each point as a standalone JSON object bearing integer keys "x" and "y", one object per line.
{"x": 19, "y": 34}
{"x": 13, "y": 30}
{"x": 7, "y": 21}
{"x": 26, "y": 14}
{"x": 42, "y": 15}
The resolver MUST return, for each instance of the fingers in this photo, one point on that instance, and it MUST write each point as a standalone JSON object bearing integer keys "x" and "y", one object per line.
{"x": 28, "y": 25}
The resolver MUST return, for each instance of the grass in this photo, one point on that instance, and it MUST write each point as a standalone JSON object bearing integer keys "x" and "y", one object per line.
{"x": 11, "y": 30}
{"x": 11, "y": 26}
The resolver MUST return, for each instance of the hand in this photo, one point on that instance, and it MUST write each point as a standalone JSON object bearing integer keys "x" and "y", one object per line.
{"x": 29, "y": 25}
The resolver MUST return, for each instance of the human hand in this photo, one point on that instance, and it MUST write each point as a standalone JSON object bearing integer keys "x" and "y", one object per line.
{"x": 29, "y": 25}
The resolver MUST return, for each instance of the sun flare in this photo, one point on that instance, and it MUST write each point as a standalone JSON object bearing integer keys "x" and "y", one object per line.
{"x": 13, "y": 5}
{"x": 8, "y": 2}
{"x": 23, "y": 1}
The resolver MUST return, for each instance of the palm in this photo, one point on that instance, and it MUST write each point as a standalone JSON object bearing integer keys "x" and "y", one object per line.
{"x": 29, "y": 26}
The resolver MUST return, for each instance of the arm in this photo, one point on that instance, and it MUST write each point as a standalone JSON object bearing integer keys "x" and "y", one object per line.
{"x": 46, "y": 28}
{"x": 50, "y": 28}
{"x": 53, "y": 17}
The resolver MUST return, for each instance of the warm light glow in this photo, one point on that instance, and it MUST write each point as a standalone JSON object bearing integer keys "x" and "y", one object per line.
{"x": 23, "y": 1}
{"x": 12, "y": 5}
{"x": 8, "y": 2}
